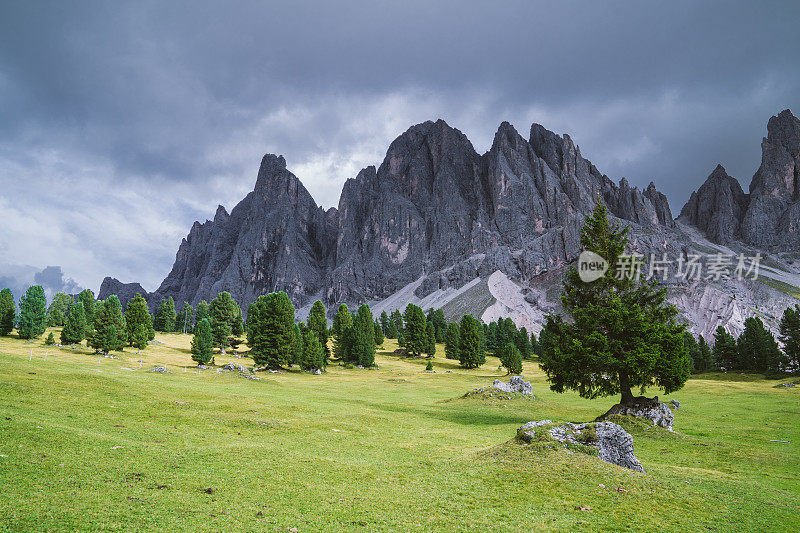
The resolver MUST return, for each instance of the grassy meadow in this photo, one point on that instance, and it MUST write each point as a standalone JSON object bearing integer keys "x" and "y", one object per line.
{"x": 90, "y": 443}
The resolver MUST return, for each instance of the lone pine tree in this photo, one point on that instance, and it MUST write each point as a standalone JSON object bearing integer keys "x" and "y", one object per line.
{"x": 32, "y": 313}
{"x": 622, "y": 334}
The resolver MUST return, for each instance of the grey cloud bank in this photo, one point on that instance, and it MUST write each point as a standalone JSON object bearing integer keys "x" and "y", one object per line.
{"x": 120, "y": 124}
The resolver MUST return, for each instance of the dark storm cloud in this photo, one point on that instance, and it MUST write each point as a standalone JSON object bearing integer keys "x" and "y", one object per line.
{"x": 154, "y": 112}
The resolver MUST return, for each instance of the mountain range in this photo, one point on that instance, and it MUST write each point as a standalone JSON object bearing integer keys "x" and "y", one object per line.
{"x": 491, "y": 234}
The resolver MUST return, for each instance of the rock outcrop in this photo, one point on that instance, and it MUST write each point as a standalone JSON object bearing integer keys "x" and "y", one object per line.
{"x": 124, "y": 291}
{"x": 515, "y": 384}
{"x": 717, "y": 207}
{"x": 647, "y": 408}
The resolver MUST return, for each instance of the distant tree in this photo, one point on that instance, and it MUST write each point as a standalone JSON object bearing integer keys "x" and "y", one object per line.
{"x": 429, "y": 366}
{"x": 108, "y": 331}
{"x": 223, "y": 314}
{"x": 8, "y": 312}
{"x": 471, "y": 352}
{"x": 390, "y": 328}
{"x": 363, "y": 348}
{"x": 165, "y": 316}
{"x": 202, "y": 312}
{"x": 318, "y": 323}
{"x": 430, "y": 346}
{"x": 237, "y": 325}
{"x": 341, "y": 321}
{"x": 57, "y": 312}
{"x": 296, "y": 351}
{"x": 416, "y": 331}
{"x": 86, "y": 297}
{"x": 511, "y": 358}
{"x": 452, "y": 341}
{"x": 726, "y": 353}
{"x": 270, "y": 329}
{"x": 50, "y": 340}
{"x": 622, "y": 333}
{"x": 313, "y": 355}
{"x": 183, "y": 324}
{"x": 790, "y": 335}
{"x": 378, "y": 334}
{"x": 706, "y": 359}
{"x": 491, "y": 337}
{"x": 758, "y": 350}
{"x": 401, "y": 339}
{"x": 534, "y": 344}
{"x": 523, "y": 343}
{"x": 384, "y": 321}
{"x": 74, "y": 330}
{"x": 202, "y": 343}
{"x": 435, "y": 317}
{"x": 32, "y": 313}
{"x": 397, "y": 319}
{"x": 138, "y": 321}
{"x": 692, "y": 349}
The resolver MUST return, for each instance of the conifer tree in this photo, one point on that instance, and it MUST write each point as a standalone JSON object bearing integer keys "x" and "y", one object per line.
{"x": 452, "y": 341}
{"x": 222, "y": 313}
{"x": 622, "y": 333}
{"x": 237, "y": 325}
{"x": 8, "y": 312}
{"x": 341, "y": 321}
{"x": 692, "y": 349}
{"x": 32, "y": 313}
{"x": 201, "y": 312}
{"x": 440, "y": 325}
{"x": 183, "y": 324}
{"x": 86, "y": 297}
{"x": 202, "y": 343}
{"x": 108, "y": 331}
{"x": 523, "y": 342}
{"x": 397, "y": 318}
{"x": 378, "y": 334}
{"x": 706, "y": 360}
{"x": 511, "y": 358}
{"x": 57, "y": 312}
{"x": 50, "y": 340}
{"x": 790, "y": 336}
{"x": 318, "y": 323}
{"x": 725, "y": 352}
{"x": 363, "y": 346}
{"x": 415, "y": 331}
{"x": 165, "y": 316}
{"x": 758, "y": 350}
{"x": 296, "y": 351}
{"x": 534, "y": 344}
{"x": 313, "y": 355}
{"x": 74, "y": 329}
{"x": 430, "y": 345}
{"x": 391, "y": 329}
{"x": 138, "y": 321}
{"x": 384, "y": 320}
{"x": 270, "y": 329}
{"x": 471, "y": 351}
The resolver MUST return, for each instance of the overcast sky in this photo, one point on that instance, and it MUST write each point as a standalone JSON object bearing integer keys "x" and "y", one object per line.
{"x": 123, "y": 122}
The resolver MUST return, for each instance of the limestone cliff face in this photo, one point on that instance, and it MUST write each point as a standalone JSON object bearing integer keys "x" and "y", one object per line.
{"x": 434, "y": 208}
{"x": 717, "y": 207}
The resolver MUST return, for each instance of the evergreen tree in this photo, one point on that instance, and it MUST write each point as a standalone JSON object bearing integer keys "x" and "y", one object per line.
{"x": 183, "y": 324}
{"x": 471, "y": 351}
{"x": 390, "y": 329}
{"x": 222, "y": 313}
{"x": 511, "y": 358}
{"x": 318, "y": 323}
{"x": 401, "y": 339}
{"x": 237, "y": 326}
{"x": 74, "y": 330}
{"x": 32, "y": 313}
{"x": 534, "y": 344}
{"x": 202, "y": 343}
{"x": 384, "y": 321}
{"x": 363, "y": 348}
{"x": 429, "y": 366}
{"x": 341, "y": 321}
{"x": 452, "y": 341}
{"x": 201, "y": 312}
{"x": 8, "y": 312}
{"x": 623, "y": 334}
{"x": 440, "y": 325}
{"x": 165, "y": 316}
{"x": 313, "y": 355}
{"x": 523, "y": 342}
{"x": 706, "y": 359}
{"x": 296, "y": 352}
{"x": 50, "y": 340}
{"x": 415, "y": 331}
{"x": 758, "y": 350}
{"x": 692, "y": 350}
{"x": 270, "y": 329}
{"x": 430, "y": 346}
{"x": 108, "y": 331}
{"x": 138, "y": 321}
{"x": 86, "y": 297}
{"x": 491, "y": 333}
{"x": 378, "y": 334}
{"x": 725, "y": 352}
{"x": 57, "y": 312}
{"x": 790, "y": 335}
{"x": 397, "y": 319}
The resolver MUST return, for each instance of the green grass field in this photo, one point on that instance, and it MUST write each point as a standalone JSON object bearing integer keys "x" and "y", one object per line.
{"x": 90, "y": 445}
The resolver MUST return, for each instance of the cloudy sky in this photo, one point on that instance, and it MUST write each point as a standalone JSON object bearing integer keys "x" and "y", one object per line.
{"x": 123, "y": 122}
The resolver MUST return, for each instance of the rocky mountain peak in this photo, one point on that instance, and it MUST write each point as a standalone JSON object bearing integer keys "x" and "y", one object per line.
{"x": 717, "y": 207}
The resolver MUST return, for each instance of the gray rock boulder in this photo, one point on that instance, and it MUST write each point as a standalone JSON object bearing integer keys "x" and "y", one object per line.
{"x": 648, "y": 408}
{"x": 515, "y": 384}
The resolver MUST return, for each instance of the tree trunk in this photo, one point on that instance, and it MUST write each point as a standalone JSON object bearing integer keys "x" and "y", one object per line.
{"x": 625, "y": 389}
